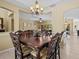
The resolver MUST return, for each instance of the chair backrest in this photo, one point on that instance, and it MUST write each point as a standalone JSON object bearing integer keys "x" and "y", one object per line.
{"x": 62, "y": 32}
{"x": 50, "y": 32}
{"x": 52, "y": 38}
{"x": 52, "y": 49}
{"x": 18, "y": 32}
{"x": 17, "y": 45}
{"x": 53, "y": 45}
{"x": 28, "y": 33}
{"x": 60, "y": 36}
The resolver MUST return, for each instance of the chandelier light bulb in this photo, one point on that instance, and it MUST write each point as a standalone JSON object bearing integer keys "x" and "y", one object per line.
{"x": 37, "y": 6}
{"x": 41, "y": 9}
{"x": 36, "y": 9}
{"x": 40, "y": 20}
{"x": 31, "y": 8}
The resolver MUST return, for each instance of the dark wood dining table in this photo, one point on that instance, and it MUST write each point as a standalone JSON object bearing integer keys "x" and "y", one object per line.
{"x": 36, "y": 42}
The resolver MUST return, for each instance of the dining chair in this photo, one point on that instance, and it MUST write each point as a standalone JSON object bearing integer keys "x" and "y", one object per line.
{"x": 51, "y": 53}
{"x": 59, "y": 35}
{"x": 58, "y": 46}
{"x": 19, "y": 52}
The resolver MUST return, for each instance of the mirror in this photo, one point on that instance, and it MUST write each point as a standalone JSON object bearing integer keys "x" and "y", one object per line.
{"x": 6, "y": 20}
{"x": 1, "y": 23}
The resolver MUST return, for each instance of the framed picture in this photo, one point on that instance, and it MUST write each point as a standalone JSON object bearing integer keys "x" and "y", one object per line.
{"x": 1, "y": 23}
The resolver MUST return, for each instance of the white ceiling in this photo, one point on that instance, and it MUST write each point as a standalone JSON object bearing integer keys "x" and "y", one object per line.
{"x": 43, "y": 3}
{"x": 73, "y": 13}
{"x": 35, "y": 17}
{"x": 46, "y": 4}
{"x": 4, "y": 11}
{"x": 28, "y": 3}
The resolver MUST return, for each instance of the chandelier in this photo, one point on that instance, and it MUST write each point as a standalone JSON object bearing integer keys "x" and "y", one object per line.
{"x": 36, "y": 9}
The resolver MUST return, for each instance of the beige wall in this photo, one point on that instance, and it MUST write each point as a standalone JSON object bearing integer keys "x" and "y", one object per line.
{"x": 5, "y": 41}
{"x": 27, "y": 24}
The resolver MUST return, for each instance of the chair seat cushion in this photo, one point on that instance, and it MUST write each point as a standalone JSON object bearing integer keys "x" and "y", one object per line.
{"x": 43, "y": 52}
{"x": 26, "y": 50}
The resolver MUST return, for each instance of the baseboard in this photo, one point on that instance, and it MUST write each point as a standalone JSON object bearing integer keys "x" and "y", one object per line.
{"x": 7, "y": 50}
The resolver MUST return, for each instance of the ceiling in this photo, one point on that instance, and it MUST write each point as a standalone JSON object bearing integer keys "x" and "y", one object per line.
{"x": 46, "y": 4}
{"x": 34, "y": 17}
{"x": 73, "y": 13}
{"x": 4, "y": 11}
{"x": 28, "y": 3}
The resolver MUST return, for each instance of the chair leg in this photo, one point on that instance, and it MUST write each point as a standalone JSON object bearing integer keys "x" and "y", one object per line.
{"x": 59, "y": 52}
{"x": 55, "y": 53}
{"x": 15, "y": 55}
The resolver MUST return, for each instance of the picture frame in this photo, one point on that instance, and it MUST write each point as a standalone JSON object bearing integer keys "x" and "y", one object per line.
{"x": 1, "y": 23}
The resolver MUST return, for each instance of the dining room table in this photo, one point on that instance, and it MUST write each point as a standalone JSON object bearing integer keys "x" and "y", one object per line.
{"x": 35, "y": 42}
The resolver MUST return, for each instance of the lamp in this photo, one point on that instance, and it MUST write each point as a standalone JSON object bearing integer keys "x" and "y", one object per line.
{"x": 36, "y": 9}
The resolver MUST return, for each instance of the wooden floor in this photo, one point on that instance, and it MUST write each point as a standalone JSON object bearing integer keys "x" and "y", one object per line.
{"x": 69, "y": 51}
